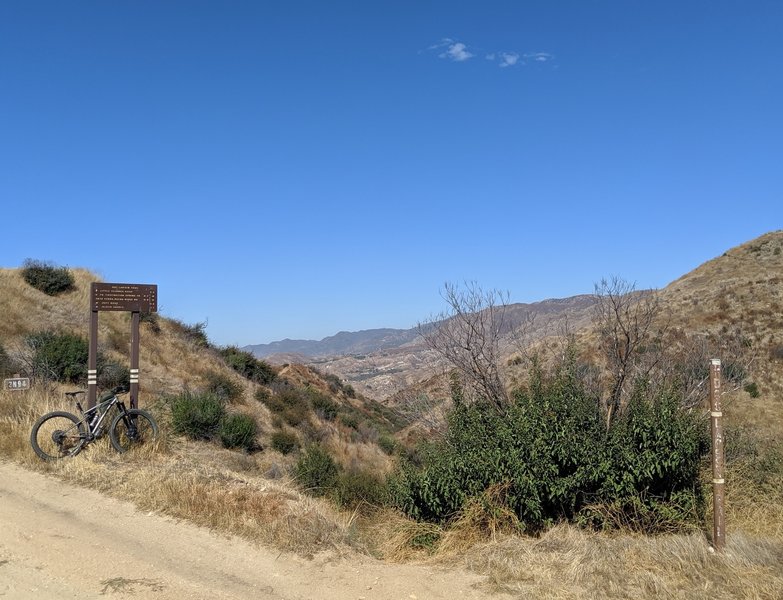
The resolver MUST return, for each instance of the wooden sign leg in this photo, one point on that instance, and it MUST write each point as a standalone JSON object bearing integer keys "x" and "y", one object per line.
{"x": 134, "y": 367}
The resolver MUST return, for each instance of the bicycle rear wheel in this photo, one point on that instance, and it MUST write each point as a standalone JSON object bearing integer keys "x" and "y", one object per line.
{"x": 133, "y": 428}
{"x": 58, "y": 434}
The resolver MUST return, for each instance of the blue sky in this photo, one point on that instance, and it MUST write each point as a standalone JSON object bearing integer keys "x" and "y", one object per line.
{"x": 292, "y": 169}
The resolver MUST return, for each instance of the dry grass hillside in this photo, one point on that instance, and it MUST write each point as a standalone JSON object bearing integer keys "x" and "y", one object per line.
{"x": 741, "y": 293}
{"x": 259, "y": 495}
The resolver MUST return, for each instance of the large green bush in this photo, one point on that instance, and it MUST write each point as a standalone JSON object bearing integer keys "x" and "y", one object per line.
{"x": 198, "y": 416}
{"x": 238, "y": 431}
{"x": 551, "y": 452}
{"x": 46, "y": 277}
{"x": 58, "y": 356}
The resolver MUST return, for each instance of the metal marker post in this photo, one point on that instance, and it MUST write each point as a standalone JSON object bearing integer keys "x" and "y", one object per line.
{"x": 718, "y": 462}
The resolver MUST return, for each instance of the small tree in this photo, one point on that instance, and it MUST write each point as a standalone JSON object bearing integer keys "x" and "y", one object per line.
{"x": 468, "y": 336}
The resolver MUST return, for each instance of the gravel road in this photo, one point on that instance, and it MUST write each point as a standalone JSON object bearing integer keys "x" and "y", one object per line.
{"x": 61, "y": 541}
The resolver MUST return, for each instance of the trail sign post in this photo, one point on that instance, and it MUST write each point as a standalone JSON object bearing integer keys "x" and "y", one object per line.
{"x": 126, "y": 297}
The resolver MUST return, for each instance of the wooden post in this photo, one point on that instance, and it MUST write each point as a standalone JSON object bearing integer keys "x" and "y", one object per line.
{"x": 134, "y": 359}
{"x": 718, "y": 460}
{"x": 92, "y": 358}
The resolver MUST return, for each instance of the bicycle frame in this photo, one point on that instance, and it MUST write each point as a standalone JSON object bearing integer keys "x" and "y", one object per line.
{"x": 103, "y": 407}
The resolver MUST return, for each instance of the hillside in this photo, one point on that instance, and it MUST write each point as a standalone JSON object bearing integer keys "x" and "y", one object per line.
{"x": 263, "y": 495}
{"x": 736, "y": 295}
{"x": 299, "y": 405}
{"x": 393, "y": 360}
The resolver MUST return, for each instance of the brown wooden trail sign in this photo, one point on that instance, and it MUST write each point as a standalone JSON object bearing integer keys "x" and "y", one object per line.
{"x": 130, "y": 297}
{"x": 135, "y": 298}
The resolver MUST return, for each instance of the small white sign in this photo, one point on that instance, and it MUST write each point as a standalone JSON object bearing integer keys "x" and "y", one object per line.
{"x": 16, "y": 383}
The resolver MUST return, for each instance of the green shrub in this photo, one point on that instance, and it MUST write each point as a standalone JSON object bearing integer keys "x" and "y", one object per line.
{"x": 654, "y": 452}
{"x": 238, "y": 431}
{"x": 290, "y": 404}
{"x": 195, "y": 334}
{"x": 552, "y": 453}
{"x": 46, "y": 277}
{"x": 354, "y": 488}
{"x": 197, "y": 416}
{"x": 349, "y": 421}
{"x": 223, "y": 386}
{"x": 152, "y": 320}
{"x": 324, "y": 407}
{"x": 262, "y": 394}
{"x": 58, "y": 356}
{"x": 316, "y": 471}
{"x": 248, "y": 365}
{"x": 753, "y": 389}
{"x": 284, "y": 442}
{"x": 335, "y": 385}
{"x": 387, "y": 443}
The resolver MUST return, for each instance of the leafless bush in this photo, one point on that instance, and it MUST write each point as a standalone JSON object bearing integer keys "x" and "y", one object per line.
{"x": 468, "y": 337}
{"x": 625, "y": 319}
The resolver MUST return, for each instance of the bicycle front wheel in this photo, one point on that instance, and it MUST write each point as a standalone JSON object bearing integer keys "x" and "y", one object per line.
{"x": 134, "y": 427}
{"x": 57, "y": 435}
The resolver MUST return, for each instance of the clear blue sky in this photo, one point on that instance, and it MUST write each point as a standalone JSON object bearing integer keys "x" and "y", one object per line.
{"x": 292, "y": 169}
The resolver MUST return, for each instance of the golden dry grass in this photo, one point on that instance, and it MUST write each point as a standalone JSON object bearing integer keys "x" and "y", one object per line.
{"x": 226, "y": 492}
{"x": 568, "y": 563}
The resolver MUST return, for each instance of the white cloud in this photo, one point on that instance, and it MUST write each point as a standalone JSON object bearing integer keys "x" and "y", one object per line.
{"x": 458, "y": 52}
{"x": 508, "y": 59}
{"x": 541, "y": 57}
{"x": 451, "y": 49}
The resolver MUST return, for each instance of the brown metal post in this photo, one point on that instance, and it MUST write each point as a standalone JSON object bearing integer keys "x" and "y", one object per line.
{"x": 134, "y": 359}
{"x": 92, "y": 360}
{"x": 718, "y": 461}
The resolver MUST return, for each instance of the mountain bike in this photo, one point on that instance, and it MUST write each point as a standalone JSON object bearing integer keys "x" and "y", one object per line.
{"x": 60, "y": 434}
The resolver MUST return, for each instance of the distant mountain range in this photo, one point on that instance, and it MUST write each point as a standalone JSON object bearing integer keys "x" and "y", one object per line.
{"x": 380, "y": 362}
{"x": 345, "y": 342}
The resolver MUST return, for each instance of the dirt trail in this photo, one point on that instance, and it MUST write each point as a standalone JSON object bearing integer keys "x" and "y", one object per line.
{"x": 60, "y": 541}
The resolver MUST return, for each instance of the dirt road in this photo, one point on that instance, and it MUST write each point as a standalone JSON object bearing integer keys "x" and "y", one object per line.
{"x": 60, "y": 541}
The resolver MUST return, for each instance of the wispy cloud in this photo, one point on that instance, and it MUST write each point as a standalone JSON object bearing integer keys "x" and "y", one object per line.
{"x": 540, "y": 57}
{"x": 508, "y": 59}
{"x": 456, "y": 51}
